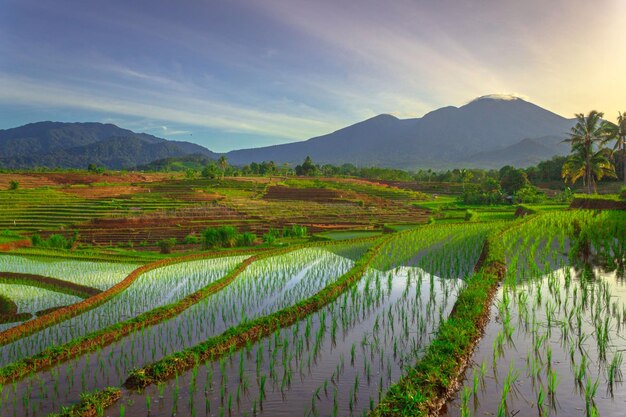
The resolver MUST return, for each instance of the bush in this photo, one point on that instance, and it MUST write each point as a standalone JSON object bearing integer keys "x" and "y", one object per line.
{"x": 59, "y": 242}
{"x": 529, "y": 194}
{"x": 210, "y": 238}
{"x": 54, "y": 241}
{"x": 228, "y": 236}
{"x": 471, "y": 216}
{"x": 166, "y": 245}
{"x": 295, "y": 231}
{"x": 271, "y": 236}
{"x": 14, "y": 185}
{"x": 191, "y": 238}
{"x": 622, "y": 192}
{"x": 488, "y": 192}
{"x": 224, "y": 236}
{"x": 36, "y": 240}
{"x": 565, "y": 197}
{"x": 246, "y": 239}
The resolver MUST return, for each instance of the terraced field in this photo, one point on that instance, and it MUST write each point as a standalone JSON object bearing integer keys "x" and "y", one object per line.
{"x": 383, "y": 315}
{"x": 143, "y": 213}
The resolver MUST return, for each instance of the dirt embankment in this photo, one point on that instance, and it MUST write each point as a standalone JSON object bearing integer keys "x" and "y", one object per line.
{"x": 9, "y": 246}
{"x": 598, "y": 204}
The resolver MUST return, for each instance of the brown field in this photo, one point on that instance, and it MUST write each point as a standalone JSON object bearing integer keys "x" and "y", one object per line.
{"x": 136, "y": 209}
{"x": 52, "y": 179}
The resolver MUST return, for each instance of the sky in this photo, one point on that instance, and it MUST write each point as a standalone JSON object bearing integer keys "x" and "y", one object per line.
{"x": 231, "y": 74}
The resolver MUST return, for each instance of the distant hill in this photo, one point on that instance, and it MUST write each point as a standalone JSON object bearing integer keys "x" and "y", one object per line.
{"x": 446, "y": 137}
{"x": 490, "y": 131}
{"x": 76, "y": 145}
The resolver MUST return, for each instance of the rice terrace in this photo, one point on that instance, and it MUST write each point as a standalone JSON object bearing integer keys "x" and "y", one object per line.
{"x": 150, "y": 294}
{"x": 291, "y": 208}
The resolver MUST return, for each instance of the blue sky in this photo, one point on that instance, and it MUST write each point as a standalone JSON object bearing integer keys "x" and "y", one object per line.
{"x": 235, "y": 74}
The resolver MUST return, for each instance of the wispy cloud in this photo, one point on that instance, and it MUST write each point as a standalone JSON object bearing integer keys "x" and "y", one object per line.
{"x": 160, "y": 106}
{"x": 281, "y": 70}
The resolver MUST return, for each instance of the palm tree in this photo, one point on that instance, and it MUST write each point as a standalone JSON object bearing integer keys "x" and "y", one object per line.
{"x": 585, "y": 161}
{"x": 617, "y": 132}
{"x": 223, "y": 162}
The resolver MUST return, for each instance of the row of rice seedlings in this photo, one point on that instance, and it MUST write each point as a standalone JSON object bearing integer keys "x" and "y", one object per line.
{"x": 345, "y": 356}
{"x": 265, "y": 286}
{"x": 102, "y": 275}
{"x": 448, "y": 245}
{"x": 152, "y": 289}
{"x": 566, "y": 321}
{"x": 33, "y": 299}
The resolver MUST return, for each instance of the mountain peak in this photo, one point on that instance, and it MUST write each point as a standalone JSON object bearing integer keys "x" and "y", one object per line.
{"x": 383, "y": 116}
{"x": 498, "y": 97}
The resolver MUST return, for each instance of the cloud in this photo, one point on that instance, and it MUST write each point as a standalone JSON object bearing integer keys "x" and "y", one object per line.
{"x": 172, "y": 132}
{"x": 160, "y": 106}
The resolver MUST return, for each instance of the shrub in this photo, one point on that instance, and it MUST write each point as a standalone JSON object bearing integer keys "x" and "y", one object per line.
{"x": 9, "y": 233}
{"x": 36, "y": 240}
{"x": 271, "y": 236}
{"x": 488, "y": 192}
{"x": 14, "y": 185}
{"x": 166, "y": 245}
{"x": 529, "y": 194}
{"x": 228, "y": 236}
{"x": 622, "y": 192}
{"x": 55, "y": 241}
{"x": 210, "y": 238}
{"x": 224, "y": 236}
{"x": 565, "y": 197}
{"x": 471, "y": 216}
{"x": 295, "y": 231}
{"x": 59, "y": 242}
{"x": 191, "y": 238}
{"x": 246, "y": 239}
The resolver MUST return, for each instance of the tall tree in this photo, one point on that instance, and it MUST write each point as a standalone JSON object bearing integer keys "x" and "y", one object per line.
{"x": 223, "y": 162}
{"x": 588, "y": 159}
{"x": 616, "y": 132}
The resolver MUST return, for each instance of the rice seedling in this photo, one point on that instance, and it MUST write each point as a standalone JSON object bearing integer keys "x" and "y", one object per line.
{"x": 560, "y": 277}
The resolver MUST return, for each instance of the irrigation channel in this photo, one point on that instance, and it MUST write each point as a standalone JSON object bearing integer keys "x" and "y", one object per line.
{"x": 340, "y": 359}
{"x": 265, "y": 286}
{"x": 556, "y": 340}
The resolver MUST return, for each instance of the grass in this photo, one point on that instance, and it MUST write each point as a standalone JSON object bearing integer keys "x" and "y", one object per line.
{"x": 91, "y": 404}
{"x": 607, "y": 197}
{"x": 348, "y": 234}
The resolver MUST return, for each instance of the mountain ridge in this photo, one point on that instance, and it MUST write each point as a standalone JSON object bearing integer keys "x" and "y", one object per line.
{"x": 76, "y": 145}
{"x": 489, "y": 131}
{"x": 445, "y": 136}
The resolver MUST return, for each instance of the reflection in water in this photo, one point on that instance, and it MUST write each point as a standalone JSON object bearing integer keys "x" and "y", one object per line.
{"x": 337, "y": 362}
{"x": 554, "y": 346}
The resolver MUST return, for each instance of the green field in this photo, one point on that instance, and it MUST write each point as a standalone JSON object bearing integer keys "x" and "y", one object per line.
{"x": 377, "y": 316}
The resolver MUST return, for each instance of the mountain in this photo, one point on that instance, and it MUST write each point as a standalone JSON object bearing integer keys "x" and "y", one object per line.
{"x": 76, "y": 145}
{"x": 524, "y": 153}
{"x": 490, "y": 131}
{"x": 446, "y": 137}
